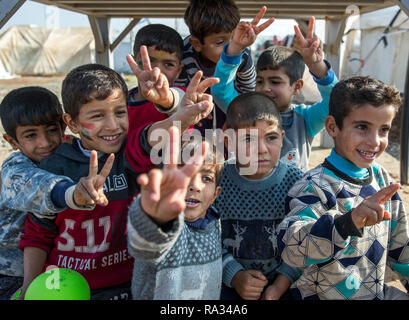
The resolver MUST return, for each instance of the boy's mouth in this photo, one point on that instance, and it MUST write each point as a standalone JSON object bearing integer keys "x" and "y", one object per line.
{"x": 367, "y": 155}
{"x": 111, "y": 139}
{"x": 192, "y": 203}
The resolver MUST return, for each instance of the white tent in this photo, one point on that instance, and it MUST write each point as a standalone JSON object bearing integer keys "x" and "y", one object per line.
{"x": 26, "y": 50}
{"x": 366, "y": 54}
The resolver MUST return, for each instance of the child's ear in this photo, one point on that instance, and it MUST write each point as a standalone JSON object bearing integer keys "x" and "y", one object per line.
{"x": 298, "y": 84}
{"x": 217, "y": 192}
{"x": 196, "y": 44}
{"x": 331, "y": 126}
{"x": 11, "y": 141}
{"x": 71, "y": 123}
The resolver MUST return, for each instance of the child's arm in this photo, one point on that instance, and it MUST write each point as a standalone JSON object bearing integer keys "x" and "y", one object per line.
{"x": 398, "y": 251}
{"x": 312, "y": 234}
{"x": 244, "y": 36}
{"x": 195, "y": 105}
{"x": 311, "y": 49}
{"x": 26, "y": 187}
{"x": 154, "y": 85}
{"x": 277, "y": 289}
{"x": 155, "y": 217}
{"x": 34, "y": 260}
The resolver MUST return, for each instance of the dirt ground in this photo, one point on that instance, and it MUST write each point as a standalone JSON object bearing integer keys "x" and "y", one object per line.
{"x": 389, "y": 159}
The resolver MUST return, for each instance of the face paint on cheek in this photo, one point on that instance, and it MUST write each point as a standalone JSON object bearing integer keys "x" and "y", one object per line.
{"x": 86, "y": 129}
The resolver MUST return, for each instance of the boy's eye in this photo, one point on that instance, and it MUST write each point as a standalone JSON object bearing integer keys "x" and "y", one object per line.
{"x": 30, "y": 136}
{"x": 207, "y": 179}
{"x": 271, "y": 138}
{"x": 169, "y": 65}
{"x": 385, "y": 130}
{"x": 361, "y": 127}
{"x": 121, "y": 112}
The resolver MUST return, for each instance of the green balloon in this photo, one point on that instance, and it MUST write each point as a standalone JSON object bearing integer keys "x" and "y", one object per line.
{"x": 58, "y": 284}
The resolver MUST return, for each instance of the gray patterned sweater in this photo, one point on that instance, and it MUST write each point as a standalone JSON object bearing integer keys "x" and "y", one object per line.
{"x": 176, "y": 262}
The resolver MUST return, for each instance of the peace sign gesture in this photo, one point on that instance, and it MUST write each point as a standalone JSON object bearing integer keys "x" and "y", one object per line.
{"x": 90, "y": 190}
{"x": 152, "y": 83}
{"x": 163, "y": 192}
{"x": 245, "y": 34}
{"x": 196, "y": 104}
{"x": 371, "y": 211}
{"x": 312, "y": 50}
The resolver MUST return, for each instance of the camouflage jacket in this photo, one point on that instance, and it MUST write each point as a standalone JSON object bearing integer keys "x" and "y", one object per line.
{"x": 25, "y": 188}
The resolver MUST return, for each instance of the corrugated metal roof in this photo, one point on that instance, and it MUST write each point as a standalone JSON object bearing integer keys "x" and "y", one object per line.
{"x": 298, "y": 9}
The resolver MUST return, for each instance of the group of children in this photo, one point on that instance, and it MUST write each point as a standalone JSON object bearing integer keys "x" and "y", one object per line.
{"x": 142, "y": 215}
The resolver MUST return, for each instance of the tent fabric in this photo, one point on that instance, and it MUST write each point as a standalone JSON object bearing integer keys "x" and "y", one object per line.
{"x": 386, "y": 63}
{"x": 26, "y": 50}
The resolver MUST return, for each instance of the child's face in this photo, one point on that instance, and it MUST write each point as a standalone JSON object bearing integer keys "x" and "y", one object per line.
{"x": 276, "y": 85}
{"x": 168, "y": 63}
{"x": 212, "y": 46}
{"x": 36, "y": 142}
{"x": 102, "y": 124}
{"x": 268, "y": 141}
{"x": 364, "y": 134}
{"x": 201, "y": 193}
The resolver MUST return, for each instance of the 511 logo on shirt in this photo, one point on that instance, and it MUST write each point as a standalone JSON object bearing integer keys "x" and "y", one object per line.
{"x": 92, "y": 229}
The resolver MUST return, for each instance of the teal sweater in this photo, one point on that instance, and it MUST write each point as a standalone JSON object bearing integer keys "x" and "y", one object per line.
{"x": 301, "y": 123}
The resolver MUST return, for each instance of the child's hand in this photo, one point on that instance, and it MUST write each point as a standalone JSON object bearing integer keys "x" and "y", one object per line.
{"x": 90, "y": 190}
{"x": 20, "y": 294}
{"x": 196, "y": 104}
{"x": 245, "y": 34}
{"x": 311, "y": 50}
{"x": 163, "y": 192}
{"x": 371, "y": 211}
{"x": 271, "y": 293}
{"x": 249, "y": 284}
{"x": 152, "y": 83}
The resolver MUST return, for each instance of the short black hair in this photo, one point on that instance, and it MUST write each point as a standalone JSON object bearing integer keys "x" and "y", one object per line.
{"x": 356, "y": 91}
{"x": 276, "y": 57}
{"x": 162, "y": 37}
{"x": 248, "y": 108}
{"x": 87, "y": 83}
{"x": 211, "y": 16}
{"x": 29, "y": 106}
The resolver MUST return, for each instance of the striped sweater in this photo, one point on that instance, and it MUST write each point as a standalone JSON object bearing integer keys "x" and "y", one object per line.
{"x": 337, "y": 264}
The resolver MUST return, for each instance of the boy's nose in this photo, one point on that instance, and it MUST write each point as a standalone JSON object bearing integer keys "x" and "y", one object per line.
{"x": 373, "y": 139}
{"x": 111, "y": 123}
{"x": 195, "y": 184}
{"x": 262, "y": 148}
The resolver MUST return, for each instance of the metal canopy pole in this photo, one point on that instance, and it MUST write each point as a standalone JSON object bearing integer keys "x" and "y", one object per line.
{"x": 404, "y": 130}
{"x": 404, "y": 134}
{"x": 100, "y": 29}
{"x": 7, "y": 9}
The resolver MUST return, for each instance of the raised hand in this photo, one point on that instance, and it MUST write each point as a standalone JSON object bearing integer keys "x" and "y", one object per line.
{"x": 152, "y": 83}
{"x": 90, "y": 190}
{"x": 196, "y": 104}
{"x": 245, "y": 34}
{"x": 163, "y": 192}
{"x": 311, "y": 49}
{"x": 371, "y": 211}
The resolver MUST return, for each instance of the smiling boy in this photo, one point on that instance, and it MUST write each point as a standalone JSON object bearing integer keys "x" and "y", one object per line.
{"x": 346, "y": 222}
